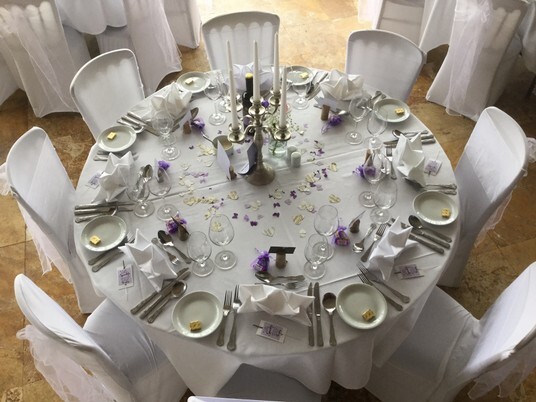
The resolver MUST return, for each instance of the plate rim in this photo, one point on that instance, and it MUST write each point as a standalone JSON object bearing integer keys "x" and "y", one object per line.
{"x": 398, "y": 101}
{"x": 100, "y": 138}
{"x": 118, "y": 219}
{"x": 443, "y": 196}
{"x": 311, "y": 73}
{"x": 217, "y": 303}
{"x": 184, "y": 76}
{"x": 376, "y": 322}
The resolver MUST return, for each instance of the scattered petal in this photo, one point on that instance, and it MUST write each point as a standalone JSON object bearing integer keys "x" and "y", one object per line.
{"x": 303, "y": 233}
{"x": 333, "y": 167}
{"x": 269, "y": 231}
{"x": 233, "y": 195}
{"x": 298, "y": 219}
{"x": 334, "y": 199}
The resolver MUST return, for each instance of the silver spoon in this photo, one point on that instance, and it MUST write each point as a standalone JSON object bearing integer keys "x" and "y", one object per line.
{"x": 329, "y": 302}
{"x": 166, "y": 240}
{"x": 269, "y": 278}
{"x": 172, "y": 257}
{"x": 398, "y": 133}
{"x": 177, "y": 291}
{"x": 416, "y": 223}
{"x": 359, "y": 246}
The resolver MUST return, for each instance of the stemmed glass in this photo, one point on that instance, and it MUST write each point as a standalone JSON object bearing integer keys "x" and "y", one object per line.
{"x": 374, "y": 170}
{"x": 199, "y": 250}
{"x": 326, "y": 223}
{"x": 376, "y": 125}
{"x": 358, "y": 109}
{"x": 301, "y": 88}
{"x": 221, "y": 233}
{"x": 138, "y": 191}
{"x": 214, "y": 91}
{"x": 163, "y": 124}
{"x": 160, "y": 185}
{"x": 315, "y": 253}
{"x": 384, "y": 198}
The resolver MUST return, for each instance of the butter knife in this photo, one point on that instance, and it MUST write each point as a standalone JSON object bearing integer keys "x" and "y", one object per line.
{"x": 146, "y": 126}
{"x": 374, "y": 278}
{"x": 319, "y": 337}
{"x": 430, "y": 237}
{"x": 418, "y": 239}
{"x": 310, "y": 315}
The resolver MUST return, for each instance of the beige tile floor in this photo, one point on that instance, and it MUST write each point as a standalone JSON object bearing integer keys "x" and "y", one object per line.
{"x": 313, "y": 32}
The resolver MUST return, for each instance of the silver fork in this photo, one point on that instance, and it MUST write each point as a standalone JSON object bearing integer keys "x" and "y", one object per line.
{"x": 360, "y": 245}
{"x": 365, "y": 280}
{"x": 104, "y": 258}
{"x": 371, "y": 276}
{"x": 377, "y": 236}
{"x": 227, "y": 305}
{"x": 231, "y": 345}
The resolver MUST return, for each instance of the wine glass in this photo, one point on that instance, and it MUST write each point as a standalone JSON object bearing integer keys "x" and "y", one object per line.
{"x": 326, "y": 223}
{"x": 384, "y": 198}
{"x": 163, "y": 124}
{"x": 374, "y": 170}
{"x": 221, "y": 233}
{"x": 315, "y": 253}
{"x": 213, "y": 91}
{"x": 376, "y": 124}
{"x": 160, "y": 185}
{"x": 199, "y": 250}
{"x": 138, "y": 191}
{"x": 358, "y": 111}
{"x": 301, "y": 88}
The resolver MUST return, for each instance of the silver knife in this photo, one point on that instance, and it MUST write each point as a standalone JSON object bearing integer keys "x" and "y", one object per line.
{"x": 146, "y": 126}
{"x": 104, "y": 205}
{"x": 430, "y": 237}
{"x": 374, "y": 278}
{"x": 310, "y": 315}
{"x": 418, "y": 239}
{"x": 113, "y": 253}
{"x": 319, "y": 337}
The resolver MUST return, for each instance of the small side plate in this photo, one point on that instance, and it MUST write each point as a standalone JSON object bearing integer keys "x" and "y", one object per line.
{"x": 193, "y": 81}
{"x": 428, "y": 206}
{"x": 111, "y": 230}
{"x": 125, "y": 136}
{"x": 197, "y": 306}
{"x": 385, "y": 109}
{"x": 299, "y": 74}
{"x": 354, "y": 299}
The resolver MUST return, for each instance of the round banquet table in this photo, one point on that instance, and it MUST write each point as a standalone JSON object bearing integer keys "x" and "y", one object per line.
{"x": 206, "y": 367}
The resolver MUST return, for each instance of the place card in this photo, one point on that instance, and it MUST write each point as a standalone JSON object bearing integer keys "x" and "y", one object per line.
{"x": 252, "y": 160}
{"x": 409, "y": 271}
{"x": 271, "y": 331}
{"x": 93, "y": 182}
{"x": 125, "y": 279}
{"x": 223, "y": 160}
{"x": 280, "y": 253}
{"x": 432, "y": 167}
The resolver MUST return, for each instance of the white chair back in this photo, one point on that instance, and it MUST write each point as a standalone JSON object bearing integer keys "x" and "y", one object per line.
{"x": 45, "y": 55}
{"x": 185, "y": 21}
{"x": 403, "y": 17}
{"x": 481, "y": 55}
{"x": 107, "y": 87}
{"x": 494, "y": 159}
{"x": 8, "y": 85}
{"x": 387, "y": 61}
{"x": 241, "y": 30}
{"x": 45, "y": 196}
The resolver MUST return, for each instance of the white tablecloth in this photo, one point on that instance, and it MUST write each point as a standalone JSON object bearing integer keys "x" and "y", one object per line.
{"x": 206, "y": 367}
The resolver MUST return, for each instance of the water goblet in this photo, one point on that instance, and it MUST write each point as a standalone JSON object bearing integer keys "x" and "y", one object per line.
{"x": 376, "y": 125}
{"x": 358, "y": 110}
{"x": 373, "y": 171}
{"x": 315, "y": 253}
{"x": 138, "y": 191}
{"x": 199, "y": 250}
{"x": 160, "y": 185}
{"x": 221, "y": 233}
{"x": 162, "y": 122}
{"x": 326, "y": 223}
{"x": 214, "y": 91}
{"x": 384, "y": 198}
{"x": 301, "y": 88}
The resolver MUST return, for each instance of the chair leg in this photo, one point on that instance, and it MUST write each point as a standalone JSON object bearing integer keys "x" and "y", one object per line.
{"x": 531, "y": 87}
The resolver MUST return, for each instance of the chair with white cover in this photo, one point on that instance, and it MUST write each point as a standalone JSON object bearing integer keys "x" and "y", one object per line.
{"x": 495, "y": 158}
{"x": 448, "y": 348}
{"x": 8, "y": 85}
{"x": 386, "y": 60}
{"x": 149, "y": 36}
{"x": 482, "y": 52}
{"x": 107, "y": 87}
{"x": 241, "y": 29}
{"x": 45, "y": 54}
{"x": 185, "y": 21}
{"x": 109, "y": 359}
{"x": 46, "y": 198}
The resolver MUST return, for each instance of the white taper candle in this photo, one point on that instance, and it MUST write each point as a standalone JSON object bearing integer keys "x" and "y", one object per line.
{"x": 276, "y": 85}
{"x": 256, "y": 83}
{"x": 283, "y": 103}
{"x": 232, "y": 88}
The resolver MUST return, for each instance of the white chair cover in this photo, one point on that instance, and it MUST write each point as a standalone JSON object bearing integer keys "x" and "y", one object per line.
{"x": 92, "y": 17}
{"x": 45, "y": 56}
{"x": 527, "y": 31}
{"x": 185, "y": 21}
{"x": 106, "y": 88}
{"x": 469, "y": 79}
{"x": 8, "y": 85}
{"x": 403, "y": 17}
{"x": 387, "y": 61}
{"x": 45, "y": 196}
{"x": 494, "y": 159}
{"x": 111, "y": 358}
{"x": 448, "y": 348}
{"x": 149, "y": 36}
{"x": 241, "y": 30}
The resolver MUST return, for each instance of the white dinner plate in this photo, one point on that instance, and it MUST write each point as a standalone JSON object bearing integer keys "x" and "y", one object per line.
{"x": 193, "y": 81}
{"x": 354, "y": 299}
{"x": 197, "y": 306}
{"x": 111, "y": 230}
{"x": 125, "y": 136}
{"x": 428, "y": 206}
{"x": 299, "y": 74}
{"x": 385, "y": 110}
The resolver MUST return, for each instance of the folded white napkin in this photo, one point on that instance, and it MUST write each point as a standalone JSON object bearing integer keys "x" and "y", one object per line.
{"x": 392, "y": 243}
{"x": 408, "y": 157}
{"x": 240, "y": 71}
{"x": 150, "y": 259}
{"x": 169, "y": 98}
{"x": 275, "y": 302}
{"x": 114, "y": 179}
{"x": 342, "y": 87}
